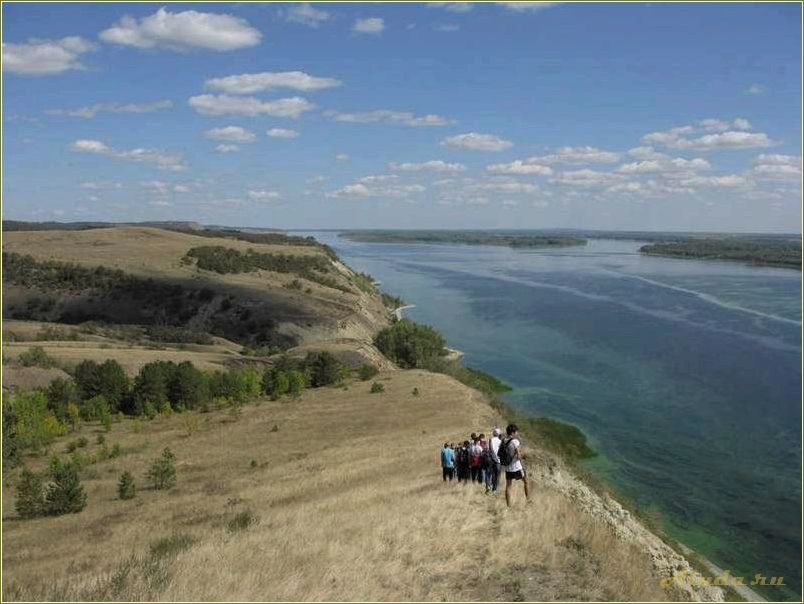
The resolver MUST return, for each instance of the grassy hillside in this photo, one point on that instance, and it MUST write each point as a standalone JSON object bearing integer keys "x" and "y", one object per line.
{"x": 296, "y": 293}
{"x": 333, "y": 494}
{"x": 336, "y": 495}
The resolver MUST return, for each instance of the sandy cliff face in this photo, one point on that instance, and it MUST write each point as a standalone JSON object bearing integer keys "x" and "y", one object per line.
{"x": 667, "y": 563}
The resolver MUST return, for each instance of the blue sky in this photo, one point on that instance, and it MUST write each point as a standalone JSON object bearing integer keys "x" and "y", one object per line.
{"x": 438, "y": 115}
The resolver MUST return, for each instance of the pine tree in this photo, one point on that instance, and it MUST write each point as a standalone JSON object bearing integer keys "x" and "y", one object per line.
{"x": 126, "y": 488}
{"x": 162, "y": 473}
{"x": 65, "y": 495}
{"x": 30, "y": 499}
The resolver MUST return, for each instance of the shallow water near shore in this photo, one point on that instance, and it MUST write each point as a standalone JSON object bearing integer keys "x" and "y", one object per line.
{"x": 685, "y": 374}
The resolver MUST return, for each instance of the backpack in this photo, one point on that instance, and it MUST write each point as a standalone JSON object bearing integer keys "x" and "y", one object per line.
{"x": 463, "y": 457}
{"x": 504, "y": 452}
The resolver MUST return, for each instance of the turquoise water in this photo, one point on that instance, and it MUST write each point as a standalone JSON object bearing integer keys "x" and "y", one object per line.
{"x": 685, "y": 374}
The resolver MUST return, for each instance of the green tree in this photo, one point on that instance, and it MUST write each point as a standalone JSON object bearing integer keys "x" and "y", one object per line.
{"x": 87, "y": 376}
{"x": 10, "y": 446}
{"x": 151, "y": 385}
{"x": 113, "y": 383}
{"x": 162, "y": 472}
{"x": 324, "y": 369}
{"x": 296, "y": 382}
{"x": 280, "y": 384}
{"x": 36, "y": 357}
{"x": 409, "y": 344}
{"x": 61, "y": 393}
{"x": 74, "y": 416}
{"x": 95, "y": 408}
{"x": 187, "y": 387}
{"x": 35, "y": 426}
{"x": 65, "y": 495}
{"x": 30, "y": 500}
{"x": 126, "y": 487}
{"x": 366, "y": 371}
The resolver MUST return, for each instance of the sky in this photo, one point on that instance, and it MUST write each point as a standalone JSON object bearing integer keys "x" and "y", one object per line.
{"x": 631, "y": 116}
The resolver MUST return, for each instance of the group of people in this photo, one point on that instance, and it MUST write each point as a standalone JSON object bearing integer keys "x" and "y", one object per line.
{"x": 480, "y": 460}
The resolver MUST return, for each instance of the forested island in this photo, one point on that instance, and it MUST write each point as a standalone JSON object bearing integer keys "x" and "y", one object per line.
{"x": 466, "y": 238}
{"x": 785, "y": 253}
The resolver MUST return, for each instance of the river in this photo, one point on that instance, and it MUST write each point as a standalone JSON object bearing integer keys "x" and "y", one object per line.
{"x": 684, "y": 374}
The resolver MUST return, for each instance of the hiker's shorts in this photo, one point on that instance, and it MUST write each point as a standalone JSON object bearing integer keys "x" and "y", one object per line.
{"x": 518, "y": 475}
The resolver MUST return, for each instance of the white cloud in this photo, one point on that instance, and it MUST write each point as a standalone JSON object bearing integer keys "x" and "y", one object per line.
{"x": 367, "y": 187}
{"x": 477, "y": 142}
{"x": 92, "y": 110}
{"x": 678, "y": 138}
{"x": 521, "y": 7}
{"x": 586, "y": 178}
{"x": 89, "y": 146}
{"x": 262, "y": 195}
{"x": 342, "y": 157}
{"x": 224, "y": 148}
{"x": 577, "y": 155}
{"x": 282, "y": 133}
{"x": 645, "y": 153}
{"x": 306, "y": 14}
{"x": 222, "y": 104}
{"x": 453, "y": 7}
{"x": 370, "y": 25}
{"x": 756, "y": 89}
{"x": 434, "y": 165}
{"x": 520, "y": 167}
{"x": 742, "y": 124}
{"x": 183, "y": 31}
{"x": 665, "y": 164}
{"x": 777, "y": 167}
{"x": 163, "y": 160}
{"x": 507, "y": 186}
{"x": 45, "y": 57}
{"x": 726, "y": 140}
{"x": 388, "y": 116}
{"x": 231, "y": 134}
{"x": 101, "y": 185}
{"x": 727, "y": 181}
{"x": 249, "y": 83}
{"x": 371, "y": 178}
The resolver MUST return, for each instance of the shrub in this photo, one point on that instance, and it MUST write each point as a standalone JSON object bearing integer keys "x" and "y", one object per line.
{"x": 30, "y": 500}
{"x": 10, "y": 445}
{"x": 36, "y": 357}
{"x": 82, "y": 442}
{"x": 367, "y": 371}
{"x": 74, "y": 415}
{"x": 170, "y": 546}
{"x": 95, "y": 408}
{"x": 126, "y": 488}
{"x": 324, "y": 369}
{"x": 415, "y": 392}
{"x": 409, "y": 344}
{"x": 241, "y": 521}
{"x": 35, "y": 426}
{"x": 377, "y": 387}
{"x": 116, "y": 451}
{"x": 162, "y": 473}
{"x": 65, "y": 495}
{"x": 279, "y": 383}
{"x": 296, "y": 382}
{"x": 100, "y": 439}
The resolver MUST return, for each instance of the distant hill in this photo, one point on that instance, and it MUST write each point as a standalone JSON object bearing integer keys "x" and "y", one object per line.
{"x": 254, "y": 289}
{"x": 19, "y": 225}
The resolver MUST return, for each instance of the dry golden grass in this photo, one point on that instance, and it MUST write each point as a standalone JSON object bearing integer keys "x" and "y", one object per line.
{"x": 130, "y": 357}
{"x": 349, "y": 504}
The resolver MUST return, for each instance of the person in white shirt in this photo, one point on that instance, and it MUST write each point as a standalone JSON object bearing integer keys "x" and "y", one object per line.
{"x": 493, "y": 470}
{"x": 514, "y": 470}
